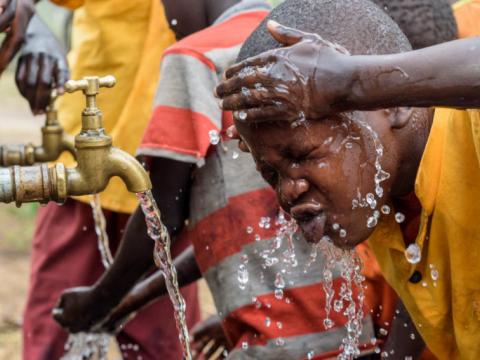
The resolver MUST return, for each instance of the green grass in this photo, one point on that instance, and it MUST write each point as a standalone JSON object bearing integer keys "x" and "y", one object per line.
{"x": 17, "y": 227}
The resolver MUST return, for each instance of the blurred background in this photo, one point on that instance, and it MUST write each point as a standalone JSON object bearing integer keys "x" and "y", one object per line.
{"x": 18, "y": 125}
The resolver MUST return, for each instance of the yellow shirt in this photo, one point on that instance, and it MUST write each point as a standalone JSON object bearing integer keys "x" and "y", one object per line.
{"x": 125, "y": 39}
{"x": 467, "y": 14}
{"x": 445, "y": 311}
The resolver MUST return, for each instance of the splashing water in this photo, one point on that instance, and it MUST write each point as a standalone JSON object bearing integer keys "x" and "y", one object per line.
{"x": 351, "y": 267}
{"x": 101, "y": 231}
{"x": 163, "y": 258}
{"x": 83, "y": 346}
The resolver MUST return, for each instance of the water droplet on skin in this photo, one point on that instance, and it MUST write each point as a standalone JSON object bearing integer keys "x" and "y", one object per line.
{"x": 399, "y": 217}
{"x": 343, "y": 233}
{"x": 371, "y": 201}
{"x": 242, "y": 115}
{"x": 372, "y": 222}
{"x": 336, "y": 227}
{"x": 412, "y": 336}
{"x": 245, "y": 92}
{"x": 413, "y": 254}
{"x": 386, "y": 209}
{"x": 434, "y": 273}
{"x": 214, "y": 137}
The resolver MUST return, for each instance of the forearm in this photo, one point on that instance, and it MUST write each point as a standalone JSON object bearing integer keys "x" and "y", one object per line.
{"x": 154, "y": 286}
{"x": 132, "y": 260}
{"x": 432, "y": 76}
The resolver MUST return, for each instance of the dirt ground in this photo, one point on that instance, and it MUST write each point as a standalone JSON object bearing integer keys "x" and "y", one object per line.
{"x": 17, "y": 125}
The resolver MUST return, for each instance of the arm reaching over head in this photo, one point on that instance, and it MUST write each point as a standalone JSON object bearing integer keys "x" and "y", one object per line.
{"x": 14, "y": 18}
{"x": 41, "y": 67}
{"x": 152, "y": 288}
{"x": 313, "y": 78}
{"x": 81, "y": 309}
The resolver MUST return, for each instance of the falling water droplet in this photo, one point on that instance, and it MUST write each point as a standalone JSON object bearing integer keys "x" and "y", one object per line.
{"x": 214, "y": 137}
{"x": 268, "y": 322}
{"x": 242, "y": 276}
{"x": 235, "y": 155}
{"x": 399, "y": 217}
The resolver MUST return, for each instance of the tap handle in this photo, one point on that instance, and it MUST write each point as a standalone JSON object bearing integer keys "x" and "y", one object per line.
{"x": 90, "y": 85}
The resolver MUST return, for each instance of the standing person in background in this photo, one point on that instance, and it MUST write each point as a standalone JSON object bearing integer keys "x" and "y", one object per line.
{"x": 125, "y": 39}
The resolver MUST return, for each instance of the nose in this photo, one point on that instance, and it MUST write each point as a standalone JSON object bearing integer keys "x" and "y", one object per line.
{"x": 291, "y": 189}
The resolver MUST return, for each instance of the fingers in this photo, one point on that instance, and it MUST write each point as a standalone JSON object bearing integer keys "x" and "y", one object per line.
{"x": 35, "y": 77}
{"x": 263, "y": 114}
{"x": 256, "y": 61}
{"x": 62, "y": 75}
{"x": 43, "y": 85}
{"x": 286, "y": 35}
{"x": 248, "y": 99}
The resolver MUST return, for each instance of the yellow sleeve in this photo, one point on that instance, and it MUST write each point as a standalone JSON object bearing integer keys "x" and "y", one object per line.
{"x": 71, "y": 4}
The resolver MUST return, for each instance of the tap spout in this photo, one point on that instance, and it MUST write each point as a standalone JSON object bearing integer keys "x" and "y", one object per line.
{"x": 97, "y": 166}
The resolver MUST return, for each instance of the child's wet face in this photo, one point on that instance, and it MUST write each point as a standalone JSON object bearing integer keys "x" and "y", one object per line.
{"x": 319, "y": 168}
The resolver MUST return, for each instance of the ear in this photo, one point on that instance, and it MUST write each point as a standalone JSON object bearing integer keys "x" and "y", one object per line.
{"x": 399, "y": 117}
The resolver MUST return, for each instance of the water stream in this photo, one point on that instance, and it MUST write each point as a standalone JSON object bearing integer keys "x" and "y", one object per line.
{"x": 101, "y": 231}
{"x": 163, "y": 258}
{"x": 82, "y": 346}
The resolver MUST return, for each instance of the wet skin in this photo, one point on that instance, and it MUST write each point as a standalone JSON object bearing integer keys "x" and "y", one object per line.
{"x": 319, "y": 167}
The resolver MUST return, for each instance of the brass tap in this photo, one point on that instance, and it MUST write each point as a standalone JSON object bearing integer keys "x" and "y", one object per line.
{"x": 97, "y": 160}
{"x": 54, "y": 142}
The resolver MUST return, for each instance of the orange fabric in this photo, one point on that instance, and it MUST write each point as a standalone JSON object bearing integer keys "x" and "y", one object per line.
{"x": 467, "y": 14}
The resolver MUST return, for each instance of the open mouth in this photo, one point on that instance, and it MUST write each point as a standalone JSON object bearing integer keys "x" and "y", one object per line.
{"x": 312, "y": 219}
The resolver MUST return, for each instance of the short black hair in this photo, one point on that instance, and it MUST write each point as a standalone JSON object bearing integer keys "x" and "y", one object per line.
{"x": 358, "y": 25}
{"x": 424, "y": 22}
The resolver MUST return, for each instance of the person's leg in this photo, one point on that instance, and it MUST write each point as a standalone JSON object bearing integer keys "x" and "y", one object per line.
{"x": 64, "y": 254}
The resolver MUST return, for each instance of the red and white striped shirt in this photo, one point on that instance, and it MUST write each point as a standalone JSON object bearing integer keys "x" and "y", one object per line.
{"x": 228, "y": 197}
